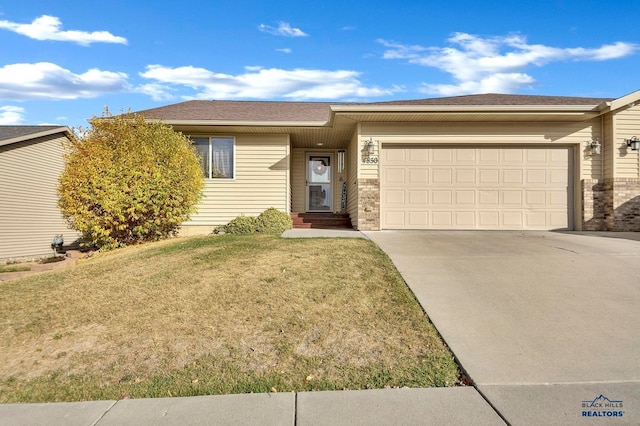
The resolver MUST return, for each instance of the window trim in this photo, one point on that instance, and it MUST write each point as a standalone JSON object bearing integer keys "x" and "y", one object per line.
{"x": 210, "y": 155}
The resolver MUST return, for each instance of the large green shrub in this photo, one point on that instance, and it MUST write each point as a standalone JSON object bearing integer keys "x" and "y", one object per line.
{"x": 273, "y": 221}
{"x": 127, "y": 181}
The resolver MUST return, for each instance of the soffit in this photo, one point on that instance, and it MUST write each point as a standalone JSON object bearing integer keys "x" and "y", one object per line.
{"x": 301, "y": 137}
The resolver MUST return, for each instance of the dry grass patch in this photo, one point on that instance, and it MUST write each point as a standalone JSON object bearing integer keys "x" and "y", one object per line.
{"x": 210, "y": 315}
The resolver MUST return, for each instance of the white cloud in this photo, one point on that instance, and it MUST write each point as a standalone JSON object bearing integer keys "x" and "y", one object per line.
{"x": 496, "y": 83}
{"x": 11, "y": 115}
{"x": 494, "y": 64}
{"x": 258, "y": 83}
{"x": 284, "y": 50}
{"x": 283, "y": 29}
{"x": 44, "y": 80}
{"x": 48, "y": 27}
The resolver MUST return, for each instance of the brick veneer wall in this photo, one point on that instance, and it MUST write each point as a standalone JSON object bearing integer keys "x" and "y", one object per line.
{"x": 626, "y": 205}
{"x": 611, "y": 205}
{"x": 594, "y": 205}
{"x": 368, "y": 204}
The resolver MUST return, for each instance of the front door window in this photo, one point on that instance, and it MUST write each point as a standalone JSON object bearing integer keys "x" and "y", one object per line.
{"x": 319, "y": 183}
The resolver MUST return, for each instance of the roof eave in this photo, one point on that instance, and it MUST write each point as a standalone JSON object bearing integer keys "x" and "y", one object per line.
{"x": 464, "y": 108}
{"x": 49, "y": 132}
{"x": 248, "y": 123}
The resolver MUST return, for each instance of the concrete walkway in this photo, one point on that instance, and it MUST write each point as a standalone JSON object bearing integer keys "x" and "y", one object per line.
{"x": 440, "y": 406}
{"x": 546, "y": 324}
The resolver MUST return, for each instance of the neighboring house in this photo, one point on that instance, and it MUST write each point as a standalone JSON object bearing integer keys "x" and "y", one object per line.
{"x": 31, "y": 160}
{"x": 468, "y": 162}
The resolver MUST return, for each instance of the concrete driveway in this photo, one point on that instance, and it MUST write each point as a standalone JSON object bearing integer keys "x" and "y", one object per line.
{"x": 552, "y": 318}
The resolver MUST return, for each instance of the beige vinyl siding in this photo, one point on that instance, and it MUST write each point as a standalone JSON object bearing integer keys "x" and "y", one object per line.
{"x": 609, "y": 148}
{"x": 592, "y": 165}
{"x": 627, "y": 124}
{"x": 261, "y": 181}
{"x": 29, "y": 214}
{"x": 298, "y": 180}
{"x": 352, "y": 172}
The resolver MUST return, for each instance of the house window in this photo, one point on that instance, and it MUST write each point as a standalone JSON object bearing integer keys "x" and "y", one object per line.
{"x": 217, "y": 157}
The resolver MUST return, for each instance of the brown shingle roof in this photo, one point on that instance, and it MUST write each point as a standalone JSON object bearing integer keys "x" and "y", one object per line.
{"x": 10, "y": 132}
{"x": 498, "y": 99}
{"x": 242, "y": 111}
{"x": 320, "y": 111}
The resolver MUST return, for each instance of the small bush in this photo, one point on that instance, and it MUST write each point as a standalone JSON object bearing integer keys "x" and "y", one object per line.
{"x": 240, "y": 225}
{"x": 273, "y": 221}
{"x": 270, "y": 221}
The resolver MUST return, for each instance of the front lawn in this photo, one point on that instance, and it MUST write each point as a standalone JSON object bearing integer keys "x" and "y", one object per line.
{"x": 215, "y": 315}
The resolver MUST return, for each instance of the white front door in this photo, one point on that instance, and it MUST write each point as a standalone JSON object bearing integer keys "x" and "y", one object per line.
{"x": 319, "y": 182}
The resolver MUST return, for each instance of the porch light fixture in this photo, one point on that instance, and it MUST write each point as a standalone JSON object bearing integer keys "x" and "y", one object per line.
{"x": 368, "y": 147}
{"x": 634, "y": 143}
{"x": 594, "y": 146}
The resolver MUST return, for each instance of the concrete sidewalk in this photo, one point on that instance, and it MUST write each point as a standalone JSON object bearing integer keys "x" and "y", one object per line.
{"x": 437, "y": 406}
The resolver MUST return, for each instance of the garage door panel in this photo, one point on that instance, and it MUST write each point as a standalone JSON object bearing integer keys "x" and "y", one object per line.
{"x": 489, "y": 156}
{"x": 536, "y": 177}
{"x": 489, "y": 176}
{"x": 440, "y": 197}
{"x": 418, "y": 176}
{"x": 465, "y": 176}
{"x": 513, "y": 156}
{"x": 393, "y": 196}
{"x": 511, "y": 198}
{"x": 489, "y": 219}
{"x": 442, "y": 219}
{"x": 440, "y": 176}
{"x": 475, "y": 188}
{"x": 394, "y": 156}
{"x": 394, "y": 219}
{"x": 442, "y": 156}
{"x": 465, "y": 197}
{"x": 418, "y": 156}
{"x": 395, "y": 176}
{"x": 465, "y": 155}
{"x": 418, "y": 198}
{"x": 465, "y": 219}
{"x": 513, "y": 176}
{"x": 512, "y": 219}
{"x": 418, "y": 219}
{"x": 489, "y": 198}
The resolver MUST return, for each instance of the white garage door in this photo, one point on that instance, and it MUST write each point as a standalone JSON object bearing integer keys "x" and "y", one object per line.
{"x": 475, "y": 188}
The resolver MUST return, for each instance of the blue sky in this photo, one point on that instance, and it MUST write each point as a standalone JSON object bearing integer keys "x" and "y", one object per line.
{"x": 63, "y": 62}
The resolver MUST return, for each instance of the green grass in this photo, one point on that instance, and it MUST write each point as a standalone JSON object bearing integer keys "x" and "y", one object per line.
{"x": 14, "y": 268}
{"x": 217, "y": 315}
